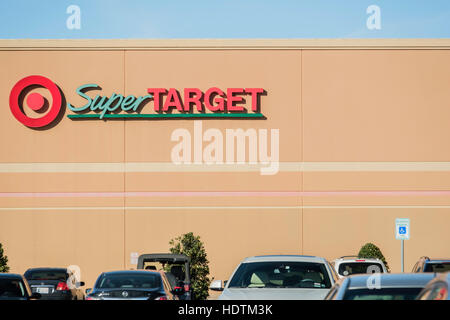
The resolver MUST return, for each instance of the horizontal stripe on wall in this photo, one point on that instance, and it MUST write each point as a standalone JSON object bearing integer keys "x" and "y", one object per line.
{"x": 206, "y": 194}
{"x": 118, "y": 167}
{"x": 121, "y": 209}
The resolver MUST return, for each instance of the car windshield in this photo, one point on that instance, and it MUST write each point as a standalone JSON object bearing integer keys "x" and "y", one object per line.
{"x": 130, "y": 281}
{"x": 12, "y": 288}
{"x": 59, "y": 275}
{"x": 348, "y": 268}
{"x": 281, "y": 275}
{"x": 437, "y": 267}
{"x": 382, "y": 294}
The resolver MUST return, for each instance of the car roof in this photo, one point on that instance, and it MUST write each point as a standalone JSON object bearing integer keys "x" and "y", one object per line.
{"x": 285, "y": 258}
{"x": 118, "y": 272}
{"x": 358, "y": 260}
{"x": 391, "y": 280}
{"x": 10, "y": 276}
{"x": 437, "y": 260}
{"x": 47, "y": 269}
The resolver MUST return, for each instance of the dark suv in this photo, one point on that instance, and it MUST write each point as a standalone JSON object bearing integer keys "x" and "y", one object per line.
{"x": 54, "y": 283}
{"x": 425, "y": 264}
{"x": 176, "y": 267}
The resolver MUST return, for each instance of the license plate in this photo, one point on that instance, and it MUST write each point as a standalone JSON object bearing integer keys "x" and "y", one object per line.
{"x": 42, "y": 290}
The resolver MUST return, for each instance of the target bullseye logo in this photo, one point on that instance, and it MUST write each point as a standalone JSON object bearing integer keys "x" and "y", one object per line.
{"x": 35, "y": 101}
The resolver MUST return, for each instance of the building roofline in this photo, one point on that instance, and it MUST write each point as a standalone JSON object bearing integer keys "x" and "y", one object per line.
{"x": 223, "y": 44}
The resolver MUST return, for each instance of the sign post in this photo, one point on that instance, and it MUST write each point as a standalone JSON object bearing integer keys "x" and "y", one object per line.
{"x": 402, "y": 232}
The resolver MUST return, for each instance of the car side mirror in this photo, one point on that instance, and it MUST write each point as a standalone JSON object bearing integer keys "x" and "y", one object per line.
{"x": 35, "y": 296}
{"x": 178, "y": 291}
{"x": 88, "y": 290}
{"x": 216, "y": 285}
{"x": 80, "y": 284}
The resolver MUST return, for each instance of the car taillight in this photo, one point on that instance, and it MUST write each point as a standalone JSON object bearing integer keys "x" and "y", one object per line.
{"x": 186, "y": 288}
{"x": 62, "y": 286}
{"x": 161, "y": 298}
{"x": 360, "y": 260}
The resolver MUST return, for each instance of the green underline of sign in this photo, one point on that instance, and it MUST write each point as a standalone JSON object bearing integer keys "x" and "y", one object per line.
{"x": 169, "y": 116}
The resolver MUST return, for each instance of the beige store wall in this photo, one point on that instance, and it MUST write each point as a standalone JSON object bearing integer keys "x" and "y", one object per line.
{"x": 330, "y": 106}
{"x": 385, "y": 106}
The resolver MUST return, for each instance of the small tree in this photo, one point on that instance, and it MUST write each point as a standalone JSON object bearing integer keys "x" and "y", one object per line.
{"x": 3, "y": 261}
{"x": 193, "y": 247}
{"x": 369, "y": 250}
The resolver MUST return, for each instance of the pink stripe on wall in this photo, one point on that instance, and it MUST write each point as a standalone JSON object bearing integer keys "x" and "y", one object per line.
{"x": 220, "y": 194}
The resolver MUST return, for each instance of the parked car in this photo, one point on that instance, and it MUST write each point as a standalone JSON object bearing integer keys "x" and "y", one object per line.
{"x": 437, "y": 289}
{"x": 348, "y": 265}
{"x": 133, "y": 285}
{"x": 54, "y": 283}
{"x": 15, "y": 287}
{"x": 425, "y": 264}
{"x": 275, "y": 277}
{"x": 380, "y": 286}
{"x": 176, "y": 267}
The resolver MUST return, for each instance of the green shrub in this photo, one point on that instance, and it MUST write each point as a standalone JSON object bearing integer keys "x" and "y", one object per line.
{"x": 193, "y": 247}
{"x": 3, "y": 261}
{"x": 369, "y": 250}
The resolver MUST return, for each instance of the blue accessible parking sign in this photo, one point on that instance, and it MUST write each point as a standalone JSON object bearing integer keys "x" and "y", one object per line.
{"x": 402, "y": 229}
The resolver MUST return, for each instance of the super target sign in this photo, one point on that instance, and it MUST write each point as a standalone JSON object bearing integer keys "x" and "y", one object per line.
{"x": 190, "y": 103}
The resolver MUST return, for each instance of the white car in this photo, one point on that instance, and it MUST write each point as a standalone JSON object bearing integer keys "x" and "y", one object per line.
{"x": 278, "y": 277}
{"x": 348, "y": 265}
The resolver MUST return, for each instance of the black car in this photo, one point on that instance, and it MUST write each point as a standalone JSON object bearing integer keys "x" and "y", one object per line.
{"x": 133, "y": 285}
{"x": 15, "y": 287}
{"x": 54, "y": 283}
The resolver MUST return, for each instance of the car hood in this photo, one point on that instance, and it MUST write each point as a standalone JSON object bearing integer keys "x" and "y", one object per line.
{"x": 127, "y": 293}
{"x": 273, "y": 294}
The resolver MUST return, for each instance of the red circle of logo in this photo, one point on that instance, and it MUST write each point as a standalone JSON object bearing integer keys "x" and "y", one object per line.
{"x": 17, "y": 111}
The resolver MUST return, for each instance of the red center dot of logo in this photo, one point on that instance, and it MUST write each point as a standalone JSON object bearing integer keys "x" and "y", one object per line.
{"x": 35, "y": 101}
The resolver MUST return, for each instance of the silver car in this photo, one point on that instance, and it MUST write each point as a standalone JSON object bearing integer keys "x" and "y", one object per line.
{"x": 437, "y": 289}
{"x": 380, "y": 286}
{"x": 278, "y": 277}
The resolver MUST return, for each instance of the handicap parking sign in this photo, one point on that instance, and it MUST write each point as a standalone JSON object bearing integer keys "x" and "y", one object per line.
{"x": 402, "y": 229}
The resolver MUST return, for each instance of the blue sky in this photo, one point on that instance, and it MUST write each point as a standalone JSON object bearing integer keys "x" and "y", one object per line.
{"x": 46, "y": 19}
